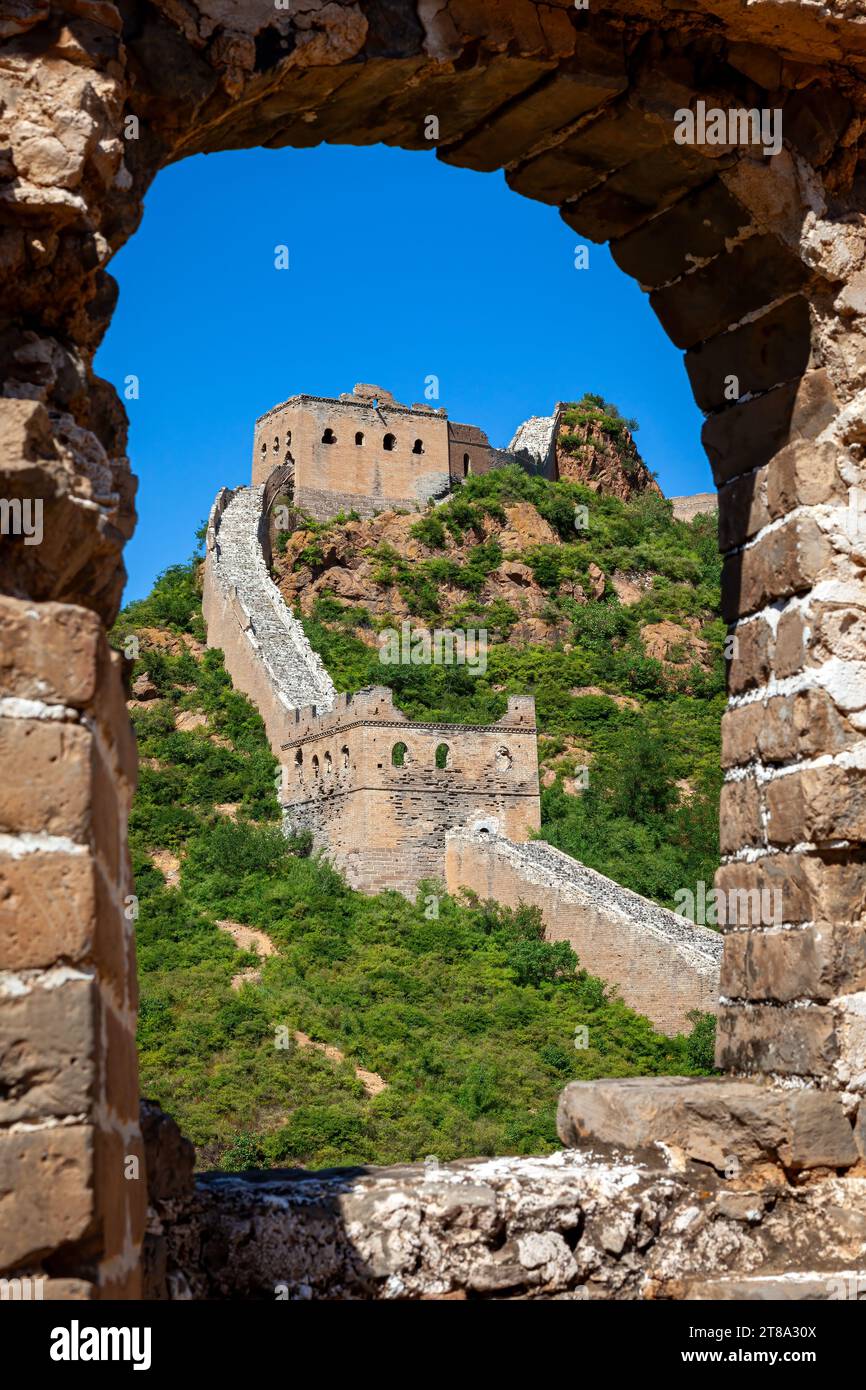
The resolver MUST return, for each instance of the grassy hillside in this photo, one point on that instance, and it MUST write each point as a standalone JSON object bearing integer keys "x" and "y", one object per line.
{"x": 460, "y": 1008}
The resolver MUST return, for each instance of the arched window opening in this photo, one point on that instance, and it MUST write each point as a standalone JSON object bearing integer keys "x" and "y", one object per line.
{"x": 344, "y": 751}
{"x": 503, "y": 759}
{"x": 264, "y": 448}
{"x": 276, "y": 443}
{"x": 329, "y": 765}
{"x": 315, "y": 765}
{"x": 443, "y": 756}
{"x": 399, "y": 755}
{"x": 389, "y": 441}
{"x": 359, "y": 436}
{"x": 299, "y": 760}
{"x": 417, "y": 447}
{"x": 466, "y": 465}
{"x": 329, "y": 437}
{"x": 288, "y": 438}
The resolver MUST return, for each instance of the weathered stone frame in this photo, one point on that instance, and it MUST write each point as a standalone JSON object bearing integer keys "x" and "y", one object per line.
{"x": 755, "y": 268}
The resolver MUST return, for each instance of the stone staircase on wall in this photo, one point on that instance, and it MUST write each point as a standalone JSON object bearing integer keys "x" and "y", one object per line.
{"x": 266, "y": 651}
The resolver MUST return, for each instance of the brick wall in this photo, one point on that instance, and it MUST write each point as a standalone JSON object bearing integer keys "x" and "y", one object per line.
{"x": 70, "y": 1146}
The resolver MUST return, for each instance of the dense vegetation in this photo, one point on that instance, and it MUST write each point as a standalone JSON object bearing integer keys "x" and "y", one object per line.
{"x": 467, "y": 1014}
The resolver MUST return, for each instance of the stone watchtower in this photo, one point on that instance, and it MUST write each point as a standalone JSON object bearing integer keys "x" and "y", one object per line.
{"x": 381, "y": 792}
{"x": 365, "y": 452}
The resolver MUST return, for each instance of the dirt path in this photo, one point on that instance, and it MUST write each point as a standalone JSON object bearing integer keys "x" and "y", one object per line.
{"x": 372, "y": 1082}
{"x": 168, "y": 865}
{"x": 249, "y": 938}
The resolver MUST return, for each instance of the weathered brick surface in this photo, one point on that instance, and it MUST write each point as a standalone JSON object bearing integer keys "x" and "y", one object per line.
{"x": 119, "y": 1064}
{"x": 740, "y": 1130}
{"x": 49, "y": 652}
{"x": 740, "y": 815}
{"x": 818, "y": 804}
{"x": 788, "y": 1042}
{"x": 693, "y": 230}
{"x": 752, "y": 658}
{"x": 47, "y": 908}
{"x": 790, "y": 643}
{"x": 47, "y": 782}
{"x": 559, "y": 101}
{"x": 785, "y": 964}
{"x": 785, "y": 728}
{"x": 782, "y": 562}
{"x": 743, "y": 510}
{"x": 46, "y": 1191}
{"x": 771, "y": 349}
{"x": 804, "y": 475}
{"x": 121, "y": 1196}
{"x": 49, "y": 1048}
{"x": 716, "y": 296}
{"x": 812, "y": 887}
{"x": 749, "y": 434}
{"x": 801, "y": 475}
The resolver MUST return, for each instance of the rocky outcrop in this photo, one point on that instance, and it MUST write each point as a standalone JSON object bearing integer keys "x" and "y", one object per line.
{"x": 597, "y": 449}
{"x": 343, "y": 562}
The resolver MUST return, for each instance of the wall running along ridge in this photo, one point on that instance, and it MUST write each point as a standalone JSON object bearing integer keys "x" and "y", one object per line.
{"x": 755, "y": 267}
{"x": 266, "y": 650}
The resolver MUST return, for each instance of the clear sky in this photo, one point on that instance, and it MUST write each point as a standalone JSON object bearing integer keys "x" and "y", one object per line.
{"x": 400, "y": 267}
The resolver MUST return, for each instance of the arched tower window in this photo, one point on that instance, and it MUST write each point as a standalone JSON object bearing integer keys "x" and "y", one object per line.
{"x": 503, "y": 759}
{"x": 329, "y": 437}
{"x": 359, "y": 437}
{"x": 399, "y": 755}
{"x": 264, "y": 448}
{"x": 344, "y": 752}
{"x": 276, "y": 443}
{"x": 329, "y": 765}
{"x": 466, "y": 465}
{"x": 443, "y": 756}
{"x": 417, "y": 447}
{"x": 288, "y": 438}
{"x": 299, "y": 760}
{"x": 315, "y": 765}
{"x": 389, "y": 441}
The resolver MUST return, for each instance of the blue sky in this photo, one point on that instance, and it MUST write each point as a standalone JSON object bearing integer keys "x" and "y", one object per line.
{"x": 399, "y": 267}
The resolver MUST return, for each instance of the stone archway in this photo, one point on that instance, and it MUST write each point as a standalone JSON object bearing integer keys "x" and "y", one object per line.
{"x": 755, "y": 268}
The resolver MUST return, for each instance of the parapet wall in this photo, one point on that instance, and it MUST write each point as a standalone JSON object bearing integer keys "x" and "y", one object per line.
{"x": 590, "y": 1222}
{"x": 365, "y": 781}
{"x": 663, "y": 965}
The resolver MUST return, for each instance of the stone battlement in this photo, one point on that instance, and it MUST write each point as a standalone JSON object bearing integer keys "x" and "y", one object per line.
{"x": 375, "y": 705}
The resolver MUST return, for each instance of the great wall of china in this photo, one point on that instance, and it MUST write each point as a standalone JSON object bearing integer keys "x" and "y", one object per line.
{"x": 746, "y": 1186}
{"x": 390, "y": 813}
